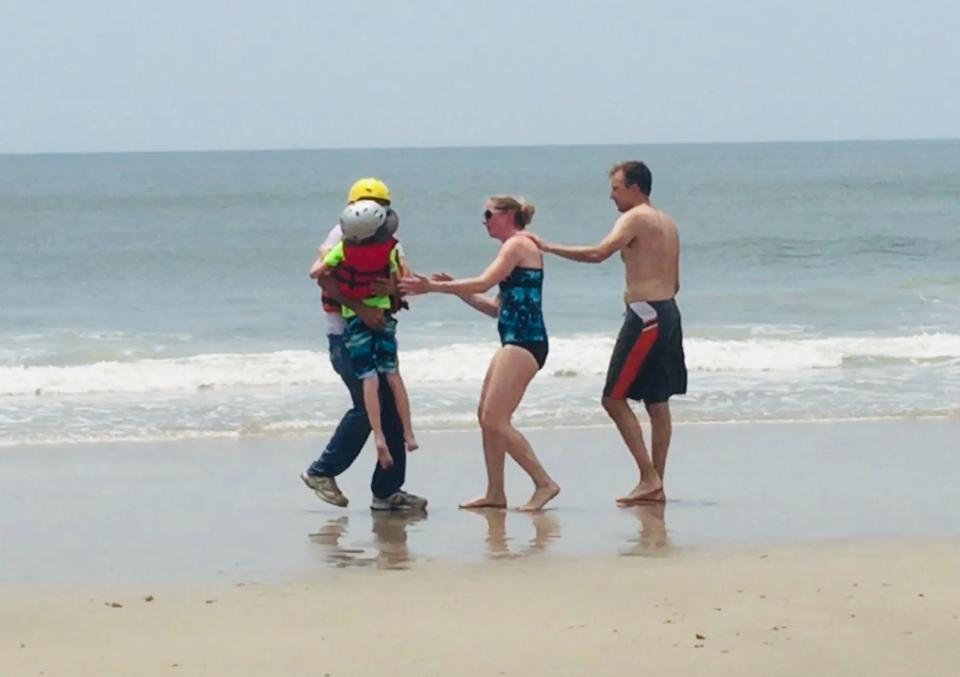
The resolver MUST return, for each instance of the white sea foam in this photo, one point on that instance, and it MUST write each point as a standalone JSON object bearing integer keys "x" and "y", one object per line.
{"x": 800, "y": 354}
{"x": 576, "y": 357}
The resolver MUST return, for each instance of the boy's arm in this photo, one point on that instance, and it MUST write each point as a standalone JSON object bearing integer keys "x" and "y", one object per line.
{"x": 397, "y": 300}
{"x": 327, "y": 261}
{"x": 372, "y": 317}
{"x": 390, "y": 286}
{"x": 332, "y": 240}
{"x": 402, "y": 264}
{"x": 320, "y": 269}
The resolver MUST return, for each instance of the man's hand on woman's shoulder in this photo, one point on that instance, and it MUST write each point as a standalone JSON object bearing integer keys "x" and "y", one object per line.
{"x": 533, "y": 237}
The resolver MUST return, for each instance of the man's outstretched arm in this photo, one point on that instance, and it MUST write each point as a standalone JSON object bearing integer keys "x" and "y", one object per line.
{"x": 618, "y": 238}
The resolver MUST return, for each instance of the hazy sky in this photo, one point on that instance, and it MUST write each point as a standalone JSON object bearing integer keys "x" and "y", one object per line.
{"x": 136, "y": 75}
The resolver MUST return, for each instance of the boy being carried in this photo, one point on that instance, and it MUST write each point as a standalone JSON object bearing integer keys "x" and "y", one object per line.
{"x": 368, "y": 252}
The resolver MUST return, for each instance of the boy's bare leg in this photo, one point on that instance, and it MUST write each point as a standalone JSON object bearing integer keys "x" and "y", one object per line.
{"x": 371, "y": 401}
{"x": 650, "y": 487}
{"x": 403, "y": 408}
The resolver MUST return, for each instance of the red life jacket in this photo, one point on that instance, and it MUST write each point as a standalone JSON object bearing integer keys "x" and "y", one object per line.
{"x": 361, "y": 266}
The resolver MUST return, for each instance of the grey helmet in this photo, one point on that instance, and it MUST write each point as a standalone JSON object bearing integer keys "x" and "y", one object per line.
{"x": 361, "y": 220}
{"x": 392, "y": 222}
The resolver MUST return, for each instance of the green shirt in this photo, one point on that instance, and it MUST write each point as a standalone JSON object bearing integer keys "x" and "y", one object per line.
{"x": 335, "y": 257}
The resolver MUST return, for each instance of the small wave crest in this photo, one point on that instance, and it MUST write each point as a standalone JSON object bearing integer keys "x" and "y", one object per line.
{"x": 800, "y": 354}
{"x": 584, "y": 356}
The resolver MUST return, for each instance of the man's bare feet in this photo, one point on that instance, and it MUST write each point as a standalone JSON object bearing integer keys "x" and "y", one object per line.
{"x": 541, "y": 496}
{"x": 411, "y": 443}
{"x": 383, "y": 452}
{"x": 648, "y": 491}
{"x": 485, "y": 501}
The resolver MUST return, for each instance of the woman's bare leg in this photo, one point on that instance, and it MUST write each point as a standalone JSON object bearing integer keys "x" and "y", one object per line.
{"x": 511, "y": 371}
{"x": 493, "y": 456}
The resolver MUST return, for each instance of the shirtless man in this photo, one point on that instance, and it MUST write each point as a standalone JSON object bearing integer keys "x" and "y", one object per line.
{"x": 647, "y": 362}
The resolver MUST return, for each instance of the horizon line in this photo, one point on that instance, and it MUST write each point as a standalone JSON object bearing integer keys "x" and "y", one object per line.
{"x": 470, "y": 146}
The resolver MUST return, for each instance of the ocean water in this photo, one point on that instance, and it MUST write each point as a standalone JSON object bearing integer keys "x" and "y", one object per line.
{"x": 163, "y": 296}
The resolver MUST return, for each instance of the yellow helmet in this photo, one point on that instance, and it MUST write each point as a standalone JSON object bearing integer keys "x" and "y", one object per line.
{"x": 368, "y": 189}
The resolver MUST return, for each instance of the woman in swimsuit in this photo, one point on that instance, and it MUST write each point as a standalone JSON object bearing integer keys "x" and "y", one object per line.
{"x": 518, "y": 269}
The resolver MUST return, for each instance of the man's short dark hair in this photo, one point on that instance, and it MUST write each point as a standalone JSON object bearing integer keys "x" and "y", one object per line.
{"x": 635, "y": 174}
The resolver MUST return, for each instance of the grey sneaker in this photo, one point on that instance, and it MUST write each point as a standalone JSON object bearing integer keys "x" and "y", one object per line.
{"x": 400, "y": 501}
{"x": 326, "y": 489}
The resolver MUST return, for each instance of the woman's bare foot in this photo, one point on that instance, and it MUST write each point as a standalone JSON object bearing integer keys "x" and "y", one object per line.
{"x": 647, "y": 491}
{"x": 656, "y": 498}
{"x": 411, "y": 443}
{"x": 486, "y": 501}
{"x": 383, "y": 452}
{"x": 541, "y": 496}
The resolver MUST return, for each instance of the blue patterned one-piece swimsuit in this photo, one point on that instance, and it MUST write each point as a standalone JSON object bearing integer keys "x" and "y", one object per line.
{"x": 520, "y": 321}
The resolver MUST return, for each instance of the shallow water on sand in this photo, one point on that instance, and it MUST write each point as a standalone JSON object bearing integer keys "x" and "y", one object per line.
{"x": 236, "y": 510}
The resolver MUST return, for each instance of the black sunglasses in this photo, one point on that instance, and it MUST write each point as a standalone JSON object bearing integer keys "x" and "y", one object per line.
{"x": 487, "y": 214}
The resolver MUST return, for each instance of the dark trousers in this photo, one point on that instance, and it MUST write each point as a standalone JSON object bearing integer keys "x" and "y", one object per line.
{"x": 354, "y": 430}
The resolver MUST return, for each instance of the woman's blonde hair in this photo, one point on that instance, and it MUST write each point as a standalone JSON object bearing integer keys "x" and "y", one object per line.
{"x": 523, "y": 210}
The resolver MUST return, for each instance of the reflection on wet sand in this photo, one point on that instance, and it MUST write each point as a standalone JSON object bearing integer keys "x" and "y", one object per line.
{"x": 652, "y": 538}
{"x": 546, "y": 528}
{"x": 389, "y": 548}
{"x": 507, "y": 536}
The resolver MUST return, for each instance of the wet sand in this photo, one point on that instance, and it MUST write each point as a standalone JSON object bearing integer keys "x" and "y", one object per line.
{"x": 833, "y": 609}
{"x": 231, "y": 510}
{"x": 785, "y": 549}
